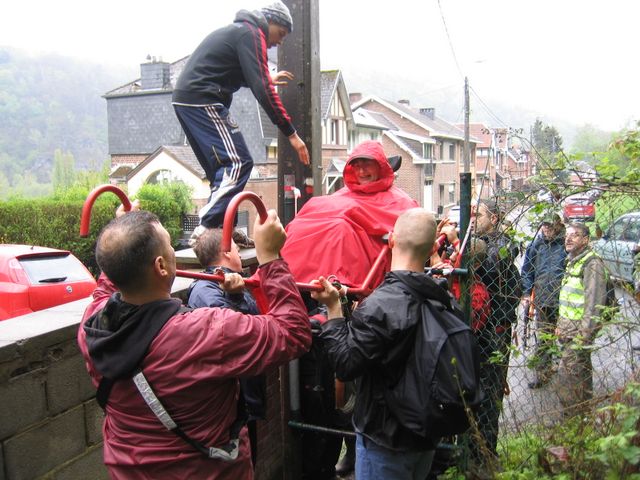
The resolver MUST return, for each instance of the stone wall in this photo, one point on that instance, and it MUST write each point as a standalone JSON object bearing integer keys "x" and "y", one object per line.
{"x": 50, "y": 423}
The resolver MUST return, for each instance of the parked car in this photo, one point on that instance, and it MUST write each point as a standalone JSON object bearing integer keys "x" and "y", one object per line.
{"x": 34, "y": 278}
{"x": 581, "y": 208}
{"x": 618, "y": 245}
{"x": 454, "y": 214}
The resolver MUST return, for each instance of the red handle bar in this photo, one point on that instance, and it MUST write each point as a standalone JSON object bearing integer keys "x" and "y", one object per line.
{"x": 230, "y": 215}
{"x": 249, "y": 282}
{"x": 85, "y": 218}
{"x": 365, "y": 289}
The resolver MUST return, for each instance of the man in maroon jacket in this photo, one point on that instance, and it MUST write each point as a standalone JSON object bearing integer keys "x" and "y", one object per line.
{"x": 229, "y": 58}
{"x": 191, "y": 360}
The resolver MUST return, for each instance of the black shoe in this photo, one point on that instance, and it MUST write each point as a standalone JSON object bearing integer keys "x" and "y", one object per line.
{"x": 538, "y": 384}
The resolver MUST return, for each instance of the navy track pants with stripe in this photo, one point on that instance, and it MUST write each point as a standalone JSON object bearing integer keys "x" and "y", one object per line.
{"x": 222, "y": 152}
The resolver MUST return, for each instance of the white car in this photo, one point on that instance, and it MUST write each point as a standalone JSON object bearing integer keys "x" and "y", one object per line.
{"x": 618, "y": 246}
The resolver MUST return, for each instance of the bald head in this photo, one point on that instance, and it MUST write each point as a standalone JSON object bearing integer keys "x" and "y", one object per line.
{"x": 414, "y": 234}
{"x": 126, "y": 248}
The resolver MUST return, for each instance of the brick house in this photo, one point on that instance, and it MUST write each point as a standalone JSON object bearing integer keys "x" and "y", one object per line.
{"x": 432, "y": 149}
{"x": 502, "y": 163}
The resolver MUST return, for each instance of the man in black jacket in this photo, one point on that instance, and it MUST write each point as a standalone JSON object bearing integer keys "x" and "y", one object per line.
{"x": 374, "y": 346}
{"x": 229, "y": 58}
{"x": 502, "y": 279}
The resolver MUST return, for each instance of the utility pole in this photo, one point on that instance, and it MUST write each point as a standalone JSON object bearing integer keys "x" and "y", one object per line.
{"x": 300, "y": 55}
{"x": 465, "y": 206}
{"x": 467, "y": 150}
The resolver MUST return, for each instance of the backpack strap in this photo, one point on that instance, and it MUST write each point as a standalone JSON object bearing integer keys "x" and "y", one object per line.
{"x": 228, "y": 452}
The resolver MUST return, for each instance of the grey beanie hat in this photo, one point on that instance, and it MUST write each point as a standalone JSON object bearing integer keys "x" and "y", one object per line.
{"x": 278, "y": 12}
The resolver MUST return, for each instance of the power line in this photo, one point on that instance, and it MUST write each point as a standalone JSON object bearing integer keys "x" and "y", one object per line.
{"x": 453, "y": 52}
{"x": 488, "y": 110}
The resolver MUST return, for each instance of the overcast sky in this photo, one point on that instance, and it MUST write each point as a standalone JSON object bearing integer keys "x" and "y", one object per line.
{"x": 575, "y": 60}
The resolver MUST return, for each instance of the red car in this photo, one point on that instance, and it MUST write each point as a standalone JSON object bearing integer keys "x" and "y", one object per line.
{"x": 35, "y": 278}
{"x": 579, "y": 208}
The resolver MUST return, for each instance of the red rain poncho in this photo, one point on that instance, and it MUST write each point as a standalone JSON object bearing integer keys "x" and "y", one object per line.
{"x": 341, "y": 234}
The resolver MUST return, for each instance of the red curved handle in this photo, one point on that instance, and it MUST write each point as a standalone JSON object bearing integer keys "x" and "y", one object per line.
{"x": 439, "y": 242}
{"x": 230, "y": 215}
{"x": 85, "y": 219}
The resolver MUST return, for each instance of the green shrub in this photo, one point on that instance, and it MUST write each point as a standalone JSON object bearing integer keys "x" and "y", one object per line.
{"x": 55, "y": 222}
{"x": 169, "y": 201}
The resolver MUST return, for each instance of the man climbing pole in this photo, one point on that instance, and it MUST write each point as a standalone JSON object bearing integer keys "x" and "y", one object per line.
{"x": 227, "y": 59}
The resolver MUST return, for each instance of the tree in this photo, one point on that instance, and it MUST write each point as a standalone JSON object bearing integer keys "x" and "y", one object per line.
{"x": 547, "y": 144}
{"x": 546, "y": 139}
{"x": 4, "y": 186}
{"x": 590, "y": 139}
{"x": 64, "y": 173}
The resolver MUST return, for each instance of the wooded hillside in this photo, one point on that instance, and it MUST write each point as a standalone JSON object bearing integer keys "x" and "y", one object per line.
{"x": 46, "y": 103}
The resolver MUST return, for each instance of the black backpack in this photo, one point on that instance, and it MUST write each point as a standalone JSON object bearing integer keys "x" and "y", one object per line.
{"x": 440, "y": 387}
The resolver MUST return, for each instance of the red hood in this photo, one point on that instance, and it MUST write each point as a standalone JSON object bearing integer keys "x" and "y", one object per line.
{"x": 373, "y": 151}
{"x": 340, "y": 234}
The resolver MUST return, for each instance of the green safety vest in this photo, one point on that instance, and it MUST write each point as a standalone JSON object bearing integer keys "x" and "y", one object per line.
{"x": 572, "y": 290}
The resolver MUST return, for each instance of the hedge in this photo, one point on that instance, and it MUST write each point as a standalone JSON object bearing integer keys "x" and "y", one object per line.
{"x": 55, "y": 223}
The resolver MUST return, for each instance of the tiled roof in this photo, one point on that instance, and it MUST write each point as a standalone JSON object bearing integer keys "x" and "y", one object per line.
{"x": 328, "y": 85}
{"x": 181, "y": 154}
{"x": 257, "y": 129}
{"x": 436, "y": 126}
{"x": 481, "y": 132}
{"x": 184, "y": 154}
{"x": 121, "y": 171}
{"x": 409, "y": 146}
{"x": 175, "y": 69}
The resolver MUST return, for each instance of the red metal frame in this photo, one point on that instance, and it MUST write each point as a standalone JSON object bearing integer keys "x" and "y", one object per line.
{"x": 364, "y": 290}
{"x": 85, "y": 219}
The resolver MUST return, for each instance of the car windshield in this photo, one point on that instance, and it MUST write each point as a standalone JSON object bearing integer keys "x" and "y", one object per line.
{"x": 54, "y": 269}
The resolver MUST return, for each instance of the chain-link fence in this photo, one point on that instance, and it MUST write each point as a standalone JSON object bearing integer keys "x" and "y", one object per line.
{"x": 540, "y": 371}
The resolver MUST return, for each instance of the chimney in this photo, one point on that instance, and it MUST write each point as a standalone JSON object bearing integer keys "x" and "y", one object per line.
{"x": 155, "y": 75}
{"x": 404, "y": 101}
{"x": 429, "y": 112}
{"x": 355, "y": 97}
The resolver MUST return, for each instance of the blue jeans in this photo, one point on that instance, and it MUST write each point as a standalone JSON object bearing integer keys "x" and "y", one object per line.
{"x": 374, "y": 462}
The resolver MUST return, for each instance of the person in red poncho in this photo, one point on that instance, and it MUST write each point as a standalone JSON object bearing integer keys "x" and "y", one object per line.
{"x": 340, "y": 234}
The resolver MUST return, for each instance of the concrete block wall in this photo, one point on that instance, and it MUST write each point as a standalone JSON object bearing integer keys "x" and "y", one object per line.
{"x": 50, "y": 423}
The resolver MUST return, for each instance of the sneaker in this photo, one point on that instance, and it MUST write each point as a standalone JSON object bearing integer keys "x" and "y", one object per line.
{"x": 199, "y": 230}
{"x": 242, "y": 240}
